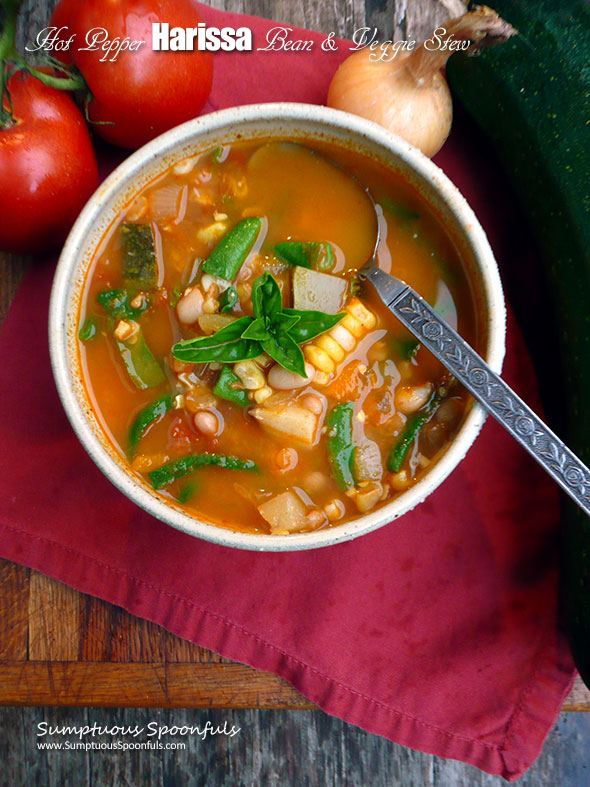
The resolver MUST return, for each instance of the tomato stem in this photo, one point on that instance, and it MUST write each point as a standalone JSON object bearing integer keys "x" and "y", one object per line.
{"x": 69, "y": 79}
{"x": 75, "y": 80}
{"x": 10, "y": 8}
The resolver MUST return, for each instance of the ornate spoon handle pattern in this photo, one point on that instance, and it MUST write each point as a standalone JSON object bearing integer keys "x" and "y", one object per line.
{"x": 485, "y": 385}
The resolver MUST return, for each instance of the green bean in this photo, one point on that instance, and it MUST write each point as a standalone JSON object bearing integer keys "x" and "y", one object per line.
{"x": 414, "y": 425}
{"x": 227, "y": 257}
{"x": 147, "y": 417}
{"x": 142, "y": 367}
{"x": 181, "y": 467}
{"x": 229, "y": 387}
{"x": 340, "y": 444}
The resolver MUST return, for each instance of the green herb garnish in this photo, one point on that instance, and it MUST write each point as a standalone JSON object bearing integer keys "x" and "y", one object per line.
{"x": 406, "y": 348}
{"x": 273, "y": 330}
{"x": 175, "y": 297}
{"x": 116, "y": 304}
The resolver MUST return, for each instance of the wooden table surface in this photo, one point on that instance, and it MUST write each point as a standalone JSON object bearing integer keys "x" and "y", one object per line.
{"x": 61, "y": 647}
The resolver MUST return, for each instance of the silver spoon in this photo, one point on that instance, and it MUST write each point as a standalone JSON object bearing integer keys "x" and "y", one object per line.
{"x": 476, "y": 376}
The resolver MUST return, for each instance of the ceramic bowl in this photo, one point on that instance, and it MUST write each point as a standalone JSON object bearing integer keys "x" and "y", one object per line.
{"x": 295, "y": 121}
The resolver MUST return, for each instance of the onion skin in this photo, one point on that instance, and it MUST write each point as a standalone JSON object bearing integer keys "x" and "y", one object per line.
{"x": 387, "y": 93}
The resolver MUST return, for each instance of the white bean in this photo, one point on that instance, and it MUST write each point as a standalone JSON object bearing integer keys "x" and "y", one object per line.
{"x": 283, "y": 380}
{"x": 315, "y": 518}
{"x": 190, "y": 306}
{"x": 206, "y": 422}
{"x": 411, "y": 398}
{"x": 315, "y": 482}
{"x": 286, "y": 458}
{"x": 313, "y": 403}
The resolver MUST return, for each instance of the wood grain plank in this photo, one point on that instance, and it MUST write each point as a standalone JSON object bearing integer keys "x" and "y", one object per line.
{"x": 12, "y": 270}
{"x": 110, "y": 634}
{"x": 167, "y": 685}
{"x": 162, "y": 685}
{"x": 417, "y": 21}
{"x": 579, "y": 697}
{"x": 14, "y": 611}
{"x": 53, "y": 619}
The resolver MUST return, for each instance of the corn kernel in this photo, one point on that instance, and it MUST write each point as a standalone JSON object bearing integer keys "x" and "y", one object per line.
{"x": 399, "y": 481}
{"x": 319, "y": 358}
{"x": 212, "y": 232}
{"x": 334, "y": 510}
{"x": 330, "y": 346}
{"x": 344, "y": 338}
{"x": 352, "y": 325}
{"x": 321, "y": 379}
{"x": 362, "y": 314}
{"x": 262, "y": 394}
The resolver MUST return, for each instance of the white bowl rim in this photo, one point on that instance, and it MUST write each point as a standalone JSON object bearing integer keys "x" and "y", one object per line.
{"x": 218, "y": 121}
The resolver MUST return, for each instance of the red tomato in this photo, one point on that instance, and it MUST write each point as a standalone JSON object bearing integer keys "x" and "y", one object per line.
{"x": 142, "y": 93}
{"x": 47, "y": 167}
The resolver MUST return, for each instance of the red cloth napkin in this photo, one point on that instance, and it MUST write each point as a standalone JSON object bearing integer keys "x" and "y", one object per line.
{"x": 438, "y": 631}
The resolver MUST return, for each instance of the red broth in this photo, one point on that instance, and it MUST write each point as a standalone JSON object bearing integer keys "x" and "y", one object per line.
{"x": 374, "y": 410}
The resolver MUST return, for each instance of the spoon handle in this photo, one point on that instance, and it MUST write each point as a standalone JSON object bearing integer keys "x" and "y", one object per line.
{"x": 485, "y": 385}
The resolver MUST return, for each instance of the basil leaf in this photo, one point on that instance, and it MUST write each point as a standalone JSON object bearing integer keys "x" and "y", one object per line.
{"x": 226, "y": 345}
{"x": 287, "y": 354}
{"x": 283, "y": 323}
{"x": 266, "y": 296}
{"x": 257, "y": 330}
{"x": 311, "y": 323}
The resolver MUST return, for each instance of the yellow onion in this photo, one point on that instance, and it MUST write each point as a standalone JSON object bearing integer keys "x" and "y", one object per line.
{"x": 405, "y": 90}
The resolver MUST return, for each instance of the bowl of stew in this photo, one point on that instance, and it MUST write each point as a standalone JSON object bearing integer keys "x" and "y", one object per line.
{"x": 220, "y": 359}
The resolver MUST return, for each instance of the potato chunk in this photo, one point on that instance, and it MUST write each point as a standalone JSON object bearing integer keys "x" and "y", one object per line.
{"x": 289, "y": 420}
{"x": 285, "y": 512}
